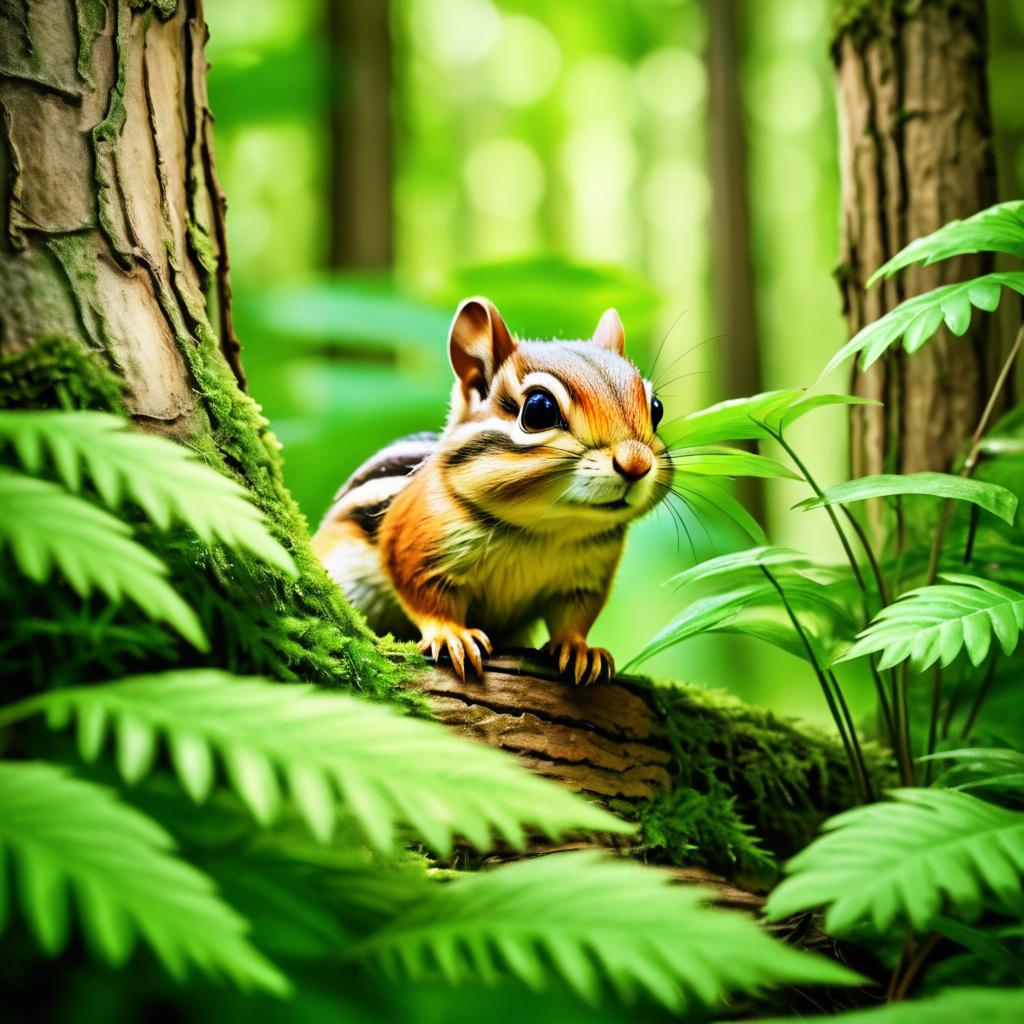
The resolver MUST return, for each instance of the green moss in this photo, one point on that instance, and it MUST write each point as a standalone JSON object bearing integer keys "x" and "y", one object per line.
{"x": 57, "y": 372}
{"x": 749, "y": 786}
{"x": 91, "y": 17}
{"x": 164, "y": 8}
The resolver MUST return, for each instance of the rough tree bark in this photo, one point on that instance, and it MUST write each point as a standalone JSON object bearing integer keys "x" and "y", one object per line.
{"x": 112, "y": 240}
{"x": 916, "y": 152}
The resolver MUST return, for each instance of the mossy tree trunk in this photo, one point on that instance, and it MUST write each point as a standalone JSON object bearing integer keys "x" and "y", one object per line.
{"x": 916, "y": 152}
{"x": 114, "y": 276}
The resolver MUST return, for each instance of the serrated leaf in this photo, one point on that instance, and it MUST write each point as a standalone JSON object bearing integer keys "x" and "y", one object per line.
{"x": 596, "y": 918}
{"x": 969, "y": 610}
{"x": 388, "y": 769}
{"x": 952, "y": 1006}
{"x": 46, "y": 528}
{"x": 67, "y": 836}
{"x": 916, "y": 320}
{"x": 163, "y": 478}
{"x": 924, "y": 853}
{"x": 1000, "y": 501}
{"x": 999, "y": 228}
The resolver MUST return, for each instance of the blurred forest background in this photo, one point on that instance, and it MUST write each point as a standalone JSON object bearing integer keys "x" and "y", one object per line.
{"x": 674, "y": 158}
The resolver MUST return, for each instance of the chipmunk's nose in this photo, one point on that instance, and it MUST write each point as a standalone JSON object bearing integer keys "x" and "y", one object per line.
{"x": 632, "y": 460}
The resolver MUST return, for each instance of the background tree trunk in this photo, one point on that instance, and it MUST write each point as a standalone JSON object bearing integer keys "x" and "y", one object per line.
{"x": 916, "y": 152}
{"x": 359, "y": 133}
{"x": 112, "y": 238}
{"x": 732, "y": 270}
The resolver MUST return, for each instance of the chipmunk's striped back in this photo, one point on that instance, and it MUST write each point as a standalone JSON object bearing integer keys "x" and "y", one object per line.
{"x": 346, "y": 541}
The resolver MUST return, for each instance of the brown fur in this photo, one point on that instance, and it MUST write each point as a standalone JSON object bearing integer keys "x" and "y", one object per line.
{"x": 501, "y": 526}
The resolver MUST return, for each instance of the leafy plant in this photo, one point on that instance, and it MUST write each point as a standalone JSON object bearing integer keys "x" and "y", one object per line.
{"x": 384, "y": 767}
{"x": 909, "y": 859}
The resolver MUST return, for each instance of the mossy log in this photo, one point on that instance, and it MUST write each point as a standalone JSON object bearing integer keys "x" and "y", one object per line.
{"x": 712, "y": 782}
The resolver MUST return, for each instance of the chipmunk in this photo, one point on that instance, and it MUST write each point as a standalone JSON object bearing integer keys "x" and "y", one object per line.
{"x": 516, "y": 512}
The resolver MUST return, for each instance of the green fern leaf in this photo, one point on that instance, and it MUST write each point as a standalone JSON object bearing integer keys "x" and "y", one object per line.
{"x": 952, "y": 1006}
{"x": 584, "y": 919}
{"x": 748, "y": 561}
{"x": 386, "y": 768}
{"x": 936, "y": 623}
{"x": 63, "y": 834}
{"x": 163, "y": 478}
{"x": 1000, "y": 228}
{"x": 47, "y": 528}
{"x": 908, "y": 860}
{"x": 997, "y": 769}
{"x": 1000, "y": 501}
{"x": 917, "y": 319}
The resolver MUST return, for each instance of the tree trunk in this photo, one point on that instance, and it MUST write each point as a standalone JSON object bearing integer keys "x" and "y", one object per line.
{"x": 359, "y": 134}
{"x": 112, "y": 238}
{"x": 732, "y": 271}
{"x": 916, "y": 152}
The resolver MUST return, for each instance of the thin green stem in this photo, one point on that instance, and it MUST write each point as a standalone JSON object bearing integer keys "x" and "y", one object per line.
{"x": 933, "y": 720}
{"x": 876, "y": 569}
{"x": 854, "y": 739}
{"x": 979, "y": 699}
{"x": 813, "y": 484}
{"x": 904, "y": 755}
{"x": 822, "y": 680}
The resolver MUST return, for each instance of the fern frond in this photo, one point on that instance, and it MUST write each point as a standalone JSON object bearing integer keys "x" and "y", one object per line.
{"x": 917, "y": 319}
{"x": 47, "y": 528}
{"x": 999, "y": 228}
{"x": 163, "y": 478}
{"x": 386, "y": 768}
{"x": 951, "y": 1006}
{"x": 908, "y": 859}
{"x": 936, "y": 623}
{"x": 588, "y": 920}
{"x": 65, "y": 836}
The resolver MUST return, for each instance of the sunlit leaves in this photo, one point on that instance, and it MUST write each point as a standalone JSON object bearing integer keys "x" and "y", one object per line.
{"x": 591, "y": 922}
{"x": 1000, "y": 228}
{"x": 322, "y": 749}
{"x": 720, "y": 460}
{"x": 47, "y": 528}
{"x": 937, "y": 622}
{"x": 917, "y": 319}
{"x": 908, "y": 860}
{"x": 163, "y": 478}
{"x": 1000, "y": 501}
{"x": 65, "y": 837}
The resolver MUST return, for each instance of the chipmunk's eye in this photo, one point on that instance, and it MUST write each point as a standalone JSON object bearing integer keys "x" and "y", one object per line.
{"x": 540, "y": 411}
{"x": 657, "y": 411}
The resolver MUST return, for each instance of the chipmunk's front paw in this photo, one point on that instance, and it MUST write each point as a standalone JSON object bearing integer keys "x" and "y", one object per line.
{"x": 460, "y": 642}
{"x": 577, "y": 660}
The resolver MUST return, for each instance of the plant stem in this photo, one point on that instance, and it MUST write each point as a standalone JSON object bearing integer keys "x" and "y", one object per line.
{"x": 979, "y": 699}
{"x": 856, "y": 769}
{"x": 903, "y": 752}
{"x": 973, "y": 455}
{"x": 812, "y": 483}
{"x": 933, "y": 720}
{"x": 862, "y": 767}
{"x": 876, "y": 569}
{"x": 901, "y": 989}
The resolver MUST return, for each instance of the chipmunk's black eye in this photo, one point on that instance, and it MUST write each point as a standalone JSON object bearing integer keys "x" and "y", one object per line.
{"x": 657, "y": 411}
{"x": 540, "y": 411}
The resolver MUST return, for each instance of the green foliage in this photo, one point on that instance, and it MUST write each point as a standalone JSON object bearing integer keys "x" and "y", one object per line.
{"x": 1000, "y": 228}
{"x": 908, "y": 859}
{"x": 387, "y": 769}
{"x": 63, "y": 834}
{"x": 162, "y": 478}
{"x": 998, "y": 500}
{"x": 592, "y": 922}
{"x": 720, "y": 460}
{"x": 936, "y": 623}
{"x": 47, "y": 528}
{"x": 917, "y": 319}
{"x": 989, "y": 768}
{"x": 951, "y": 1006}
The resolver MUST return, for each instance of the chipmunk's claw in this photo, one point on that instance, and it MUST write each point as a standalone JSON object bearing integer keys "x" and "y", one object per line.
{"x": 576, "y": 660}
{"x": 461, "y": 643}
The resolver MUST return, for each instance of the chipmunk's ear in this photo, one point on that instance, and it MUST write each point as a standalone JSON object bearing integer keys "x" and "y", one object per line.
{"x": 609, "y": 333}
{"x": 478, "y": 343}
